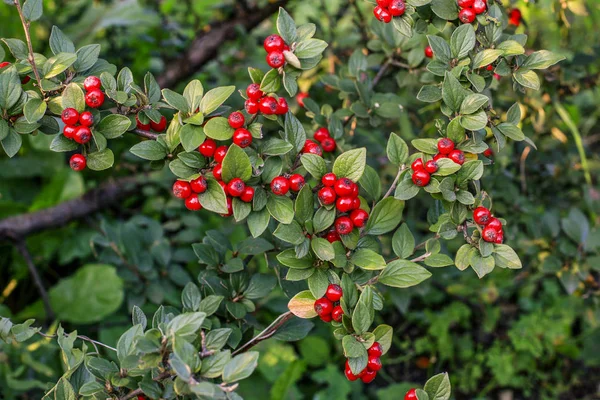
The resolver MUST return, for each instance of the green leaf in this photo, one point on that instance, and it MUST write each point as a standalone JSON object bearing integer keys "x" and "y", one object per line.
{"x": 486, "y": 57}
{"x": 100, "y": 160}
{"x": 236, "y": 164}
{"x": 351, "y": 164}
{"x": 191, "y": 297}
{"x": 323, "y": 249}
{"x": 281, "y": 208}
{"x": 17, "y": 47}
{"x": 438, "y": 387}
{"x": 481, "y": 265}
{"x": 271, "y": 82}
{"x": 474, "y": 122}
{"x": 61, "y": 144}
{"x": 193, "y": 93}
{"x": 384, "y": 335}
{"x": 462, "y": 41}
{"x": 218, "y": 128}
{"x": 541, "y": 59}
{"x": 314, "y": 164}
{"x": 34, "y": 110}
{"x": 445, "y": 9}
{"x": 58, "y": 64}
{"x": 294, "y": 131}
{"x": 367, "y": 259}
{"x": 397, "y": 150}
{"x": 440, "y": 48}
{"x": 186, "y": 325}
{"x": 33, "y": 9}
{"x": 260, "y": 286}
{"x": 511, "y": 48}
{"x": 73, "y": 97}
{"x": 463, "y": 256}
{"x": 181, "y": 170}
{"x": 290, "y": 233}
{"x": 363, "y": 314}
{"x": 506, "y": 257}
{"x": 302, "y": 305}
{"x": 60, "y": 43}
{"x": 86, "y": 57}
{"x": 304, "y": 205}
{"x": 453, "y": 92}
{"x": 63, "y": 389}
{"x": 472, "y": 103}
{"x": 385, "y": 216}
{"x": 114, "y": 125}
{"x": 527, "y": 78}
{"x": 10, "y": 88}
{"x": 352, "y": 347}
{"x": 214, "y": 199}
{"x": 430, "y": 94}
{"x": 406, "y": 190}
{"x": 149, "y": 150}
{"x": 403, "y": 274}
{"x": 403, "y": 242}
{"x": 214, "y": 98}
{"x": 323, "y": 219}
{"x": 176, "y": 100}
{"x": 511, "y": 131}
{"x": 446, "y": 167}
{"x": 276, "y": 147}
{"x": 470, "y": 171}
{"x": 310, "y": 48}
{"x": 318, "y": 283}
{"x": 286, "y": 26}
{"x": 192, "y": 137}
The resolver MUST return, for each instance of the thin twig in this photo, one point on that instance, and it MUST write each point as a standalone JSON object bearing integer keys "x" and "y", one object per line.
{"x": 31, "y": 57}
{"x": 82, "y": 337}
{"x": 381, "y": 72}
{"x": 360, "y": 21}
{"x": 37, "y": 280}
{"x": 266, "y": 333}
{"x": 145, "y": 134}
{"x": 421, "y": 257}
{"x": 391, "y": 189}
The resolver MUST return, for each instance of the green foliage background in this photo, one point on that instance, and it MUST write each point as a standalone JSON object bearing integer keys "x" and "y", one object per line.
{"x": 531, "y": 334}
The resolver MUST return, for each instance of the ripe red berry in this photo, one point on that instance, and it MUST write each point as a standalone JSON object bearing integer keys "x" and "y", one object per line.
{"x": 275, "y": 59}
{"x": 489, "y": 234}
{"x": 312, "y": 148}
{"x": 86, "y": 119}
{"x": 329, "y": 145}
{"x": 223, "y": 185}
{"x": 229, "y": 207}
{"x": 273, "y": 43}
{"x": 490, "y": 67}
{"x": 417, "y": 164}
{"x": 334, "y": 292}
{"x": 383, "y": 3}
{"x": 481, "y": 215}
{"x": 326, "y": 196}
{"x": 368, "y": 376}
{"x": 208, "y": 147}
{"x": 337, "y": 314}
{"x": 251, "y": 106}
{"x": 321, "y": 134}
{"x": 421, "y": 178}
{"x": 220, "y": 153}
{"x": 82, "y": 134}
{"x": 457, "y": 156}
{"x": 77, "y": 162}
{"x": 348, "y": 372}
{"x": 374, "y": 364}
{"x": 94, "y": 98}
{"x": 248, "y": 194}
{"x": 296, "y": 182}
{"x": 218, "y": 172}
{"x": 397, "y": 8}
{"x": 323, "y": 306}
{"x": 92, "y": 82}
{"x": 25, "y": 80}
{"x": 160, "y": 126}
{"x": 344, "y": 204}
{"x": 280, "y": 185}
{"x": 236, "y": 120}
{"x": 514, "y": 17}
{"x": 267, "y": 105}
{"x": 343, "y": 187}
{"x": 479, "y": 7}
{"x": 445, "y": 146}
{"x": 182, "y": 189}
{"x": 431, "y": 166}
{"x": 355, "y": 190}
{"x": 329, "y": 179}
{"x": 375, "y": 350}
{"x": 439, "y": 156}
{"x": 4, "y": 64}
{"x": 192, "y": 203}
{"x": 465, "y": 3}
{"x": 343, "y": 225}
{"x": 70, "y": 116}
{"x": 489, "y": 153}
{"x": 282, "y": 106}
{"x": 300, "y": 98}
{"x": 411, "y": 395}
{"x": 497, "y": 77}
{"x": 495, "y": 224}
{"x": 242, "y": 137}
{"x": 236, "y": 187}
{"x": 69, "y": 131}
{"x": 466, "y": 15}
{"x": 332, "y": 236}
{"x": 326, "y": 318}
{"x": 355, "y": 203}
{"x": 428, "y": 52}
{"x": 499, "y": 237}
{"x": 382, "y": 14}
{"x": 359, "y": 217}
{"x": 253, "y": 92}
{"x": 140, "y": 125}
{"x": 199, "y": 185}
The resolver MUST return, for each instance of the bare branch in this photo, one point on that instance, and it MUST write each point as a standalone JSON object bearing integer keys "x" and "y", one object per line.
{"x": 266, "y": 333}
{"x": 37, "y": 280}
{"x": 30, "y": 58}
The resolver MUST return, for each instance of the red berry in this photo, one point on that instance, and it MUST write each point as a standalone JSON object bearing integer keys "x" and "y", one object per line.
{"x": 326, "y": 318}
{"x": 140, "y": 125}
{"x": 457, "y": 156}
{"x": 383, "y": 3}
{"x": 94, "y": 98}
{"x": 86, "y": 119}
{"x": 282, "y": 106}
{"x": 343, "y": 225}
{"x": 280, "y": 185}
{"x": 70, "y": 116}
{"x": 489, "y": 153}
{"x": 337, "y": 314}
{"x": 273, "y": 43}
{"x": 514, "y": 17}
{"x": 343, "y": 187}
{"x": 69, "y": 131}
{"x": 411, "y": 395}
{"x": 323, "y": 306}
{"x": 499, "y": 237}
{"x": 223, "y": 185}
{"x": 327, "y": 196}
{"x": 334, "y": 292}
{"x": 344, "y": 204}
{"x": 275, "y": 59}
{"x": 479, "y": 7}
{"x": 329, "y": 179}
{"x": 355, "y": 190}
{"x": 300, "y": 98}
{"x": 229, "y": 207}
{"x": 490, "y": 67}
{"x": 417, "y": 164}
{"x": 421, "y": 178}
{"x": 495, "y": 224}
{"x": 428, "y": 52}
{"x": 466, "y": 15}
{"x": 253, "y": 92}
{"x": 465, "y": 3}
{"x": 329, "y": 145}
{"x": 208, "y": 147}
{"x": 382, "y": 14}
{"x": 332, "y": 236}
{"x": 296, "y": 182}
{"x": 497, "y": 77}
{"x": 374, "y": 364}
{"x": 321, "y": 134}
{"x": 160, "y": 126}
{"x": 77, "y": 162}
{"x": 220, "y": 153}
{"x": 481, "y": 215}
{"x": 445, "y": 146}
{"x": 312, "y": 148}
{"x": 4, "y": 64}
{"x": 236, "y": 187}
{"x": 242, "y": 137}
{"x": 82, "y": 134}
{"x": 431, "y": 166}
{"x": 218, "y": 172}
{"x": 397, "y": 8}
{"x": 355, "y": 203}
{"x": 251, "y": 106}
{"x": 439, "y": 156}
{"x": 192, "y": 203}
{"x": 199, "y": 185}
{"x": 359, "y": 217}
{"x": 267, "y": 105}
{"x": 92, "y": 82}
{"x": 248, "y": 194}
{"x": 489, "y": 234}
{"x": 348, "y": 372}
{"x": 375, "y": 350}
{"x": 236, "y": 120}
{"x": 368, "y": 376}
{"x": 182, "y": 189}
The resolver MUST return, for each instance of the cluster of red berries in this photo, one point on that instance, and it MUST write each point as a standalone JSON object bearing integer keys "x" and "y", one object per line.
{"x": 422, "y": 171}
{"x": 268, "y": 105}
{"x": 275, "y": 46}
{"x": 189, "y": 192}
{"x": 322, "y": 136}
{"x": 368, "y": 374}
{"x": 344, "y": 194}
{"x": 492, "y": 231}
{"x": 94, "y": 97}
{"x": 281, "y": 185}
{"x": 469, "y": 9}
{"x": 514, "y": 17}
{"x": 156, "y": 127}
{"x": 242, "y": 136}
{"x": 25, "y": 79}
{"x": 328, "y": 307}
{"x": 387, "y": 9}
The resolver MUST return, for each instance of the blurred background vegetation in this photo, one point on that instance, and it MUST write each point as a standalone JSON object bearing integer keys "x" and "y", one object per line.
{"x": 530, "y": 334}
